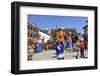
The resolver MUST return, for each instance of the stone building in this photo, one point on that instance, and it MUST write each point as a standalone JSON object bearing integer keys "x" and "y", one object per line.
{"x": 32, "y": 31}
{"x": 85, "y": 28}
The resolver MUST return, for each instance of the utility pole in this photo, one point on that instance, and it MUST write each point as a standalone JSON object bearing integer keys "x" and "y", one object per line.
{"x": 56, "y": 26}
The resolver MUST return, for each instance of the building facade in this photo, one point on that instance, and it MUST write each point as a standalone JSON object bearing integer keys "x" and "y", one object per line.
{"x": 85, "y": 28}
{"x": 46, "y": 37}
{"x": 32, "y": 31}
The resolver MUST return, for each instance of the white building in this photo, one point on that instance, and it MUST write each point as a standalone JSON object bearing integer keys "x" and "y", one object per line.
{"x": 45, "y": 36}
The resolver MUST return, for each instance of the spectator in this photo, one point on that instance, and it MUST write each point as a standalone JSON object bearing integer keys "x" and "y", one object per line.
{"x": 82, "y": 46}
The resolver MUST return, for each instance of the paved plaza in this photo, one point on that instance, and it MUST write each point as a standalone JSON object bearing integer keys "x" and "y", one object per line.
{"x": 51, "y": 55}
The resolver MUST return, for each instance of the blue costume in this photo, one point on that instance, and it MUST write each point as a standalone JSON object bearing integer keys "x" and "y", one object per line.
{"x": 39, "y": 47}
{"x": 69, "y": 45}
{"x": 60, "y": 51}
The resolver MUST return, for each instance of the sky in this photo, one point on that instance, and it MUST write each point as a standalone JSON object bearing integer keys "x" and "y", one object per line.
{"x": 50, "y": 22}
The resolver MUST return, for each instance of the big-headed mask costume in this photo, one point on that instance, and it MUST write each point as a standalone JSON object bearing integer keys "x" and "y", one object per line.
{"x": 60, "y": 37}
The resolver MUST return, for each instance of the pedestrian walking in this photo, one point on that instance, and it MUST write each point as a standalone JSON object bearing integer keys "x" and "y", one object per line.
{"x": 82, "y": 47}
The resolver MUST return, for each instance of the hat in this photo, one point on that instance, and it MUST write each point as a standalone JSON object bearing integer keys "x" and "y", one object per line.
{"x": 62, "y": 28}
{"x": 46, "y": 28}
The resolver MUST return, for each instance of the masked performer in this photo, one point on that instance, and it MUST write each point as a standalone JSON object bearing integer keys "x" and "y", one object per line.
{"x": 60, "y": 35}
{"x": 39, "y": 44}
{"x": 69, "y": 45}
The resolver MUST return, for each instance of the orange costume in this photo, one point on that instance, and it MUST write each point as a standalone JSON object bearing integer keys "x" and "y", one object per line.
{"x": 60, "y": 35}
